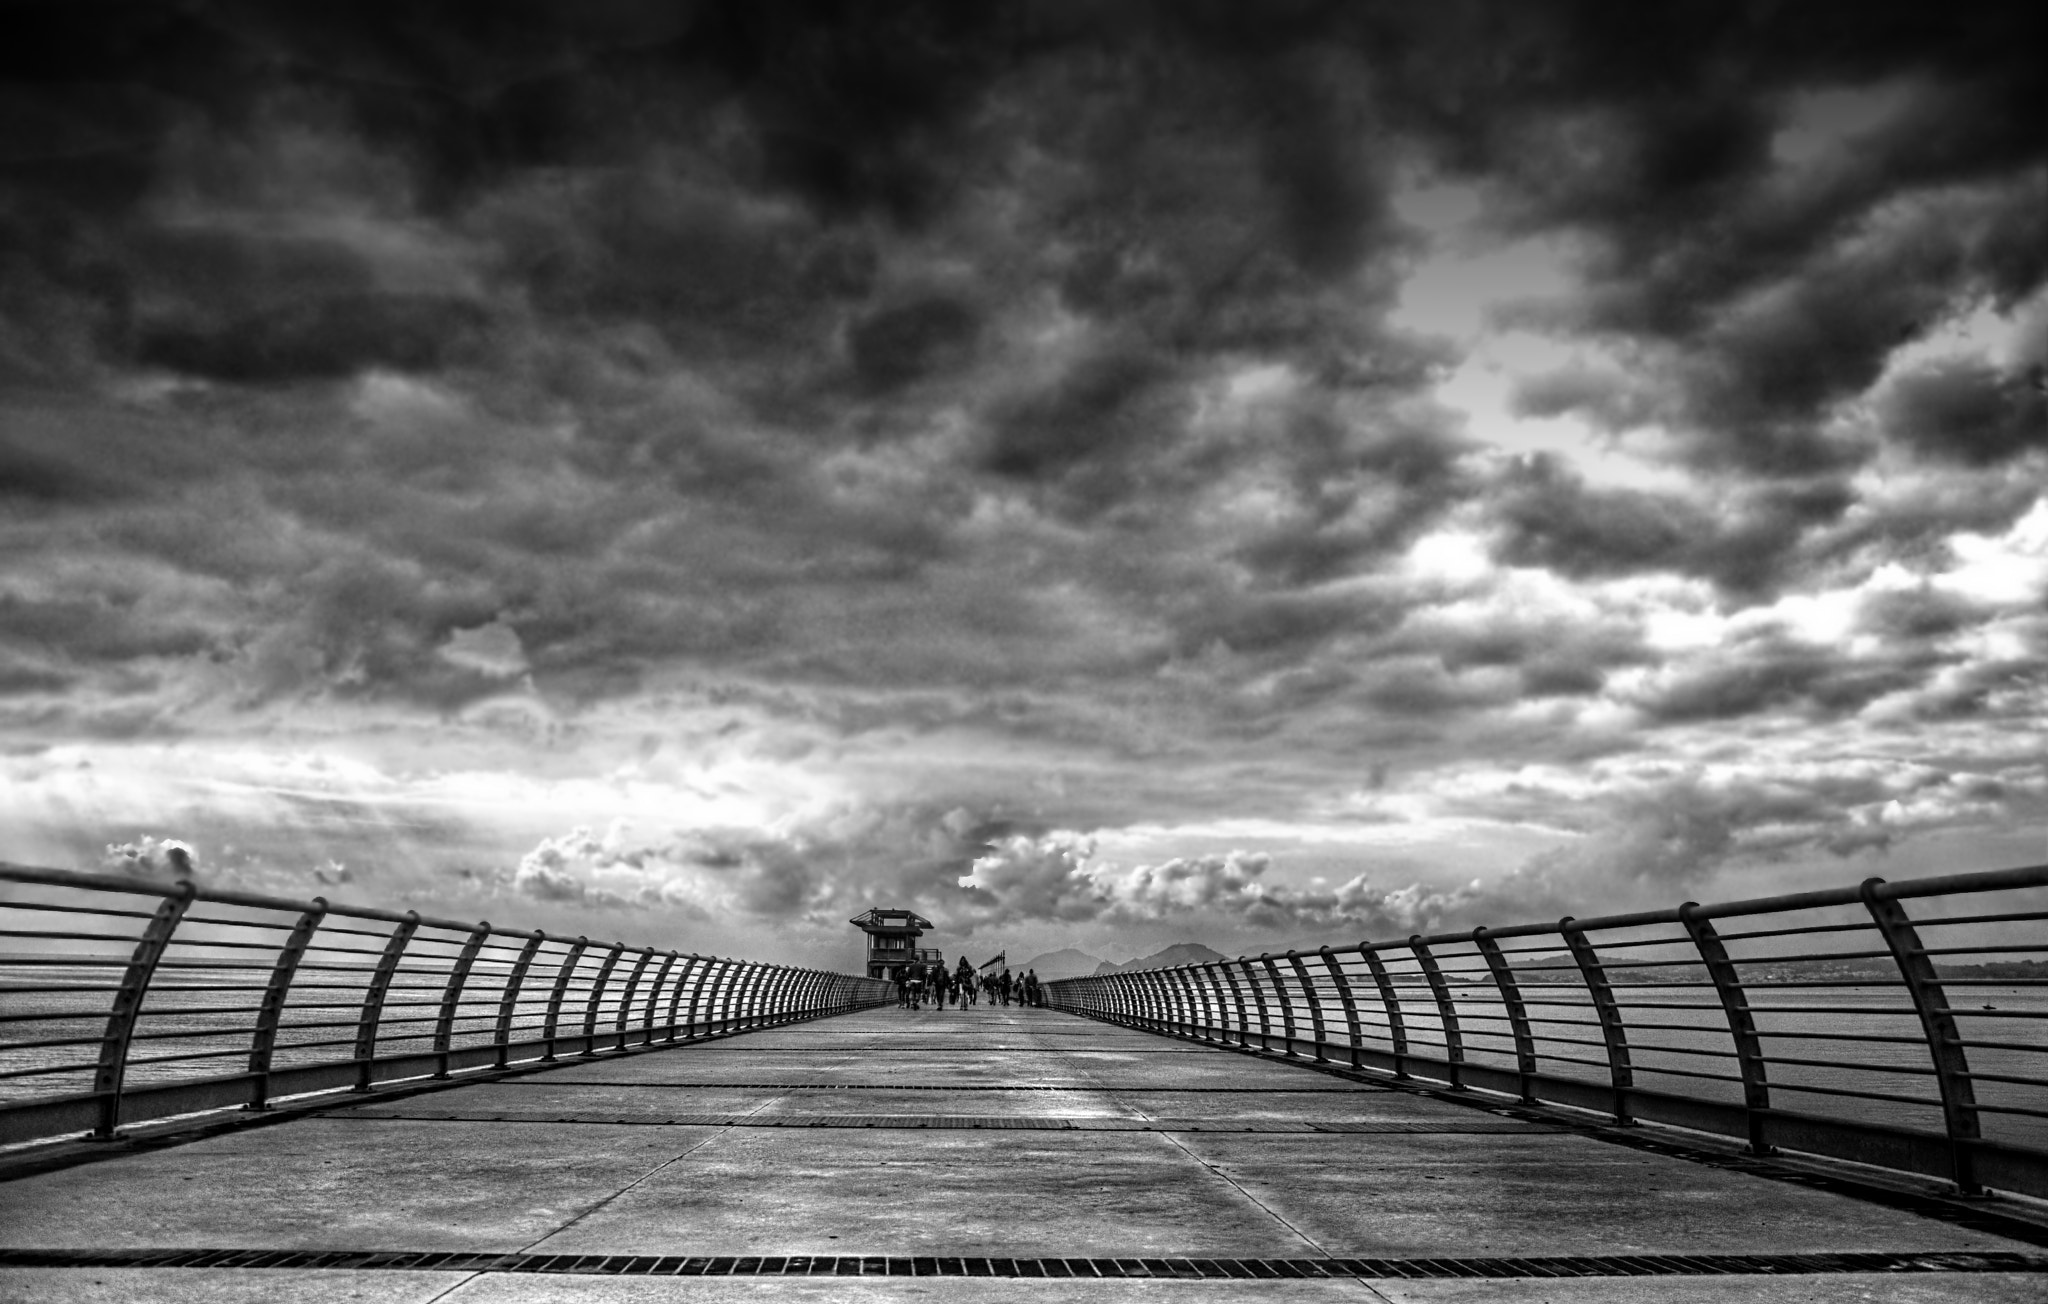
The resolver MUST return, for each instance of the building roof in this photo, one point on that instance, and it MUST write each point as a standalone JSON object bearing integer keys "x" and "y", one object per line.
{"x": 878, "y": 917}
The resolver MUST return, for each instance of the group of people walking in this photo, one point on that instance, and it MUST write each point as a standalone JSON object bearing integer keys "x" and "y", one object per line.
{"x": 920, "y": 984}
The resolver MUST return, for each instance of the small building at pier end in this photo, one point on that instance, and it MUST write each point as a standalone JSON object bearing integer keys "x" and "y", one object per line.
{"x": 892, "y": 935}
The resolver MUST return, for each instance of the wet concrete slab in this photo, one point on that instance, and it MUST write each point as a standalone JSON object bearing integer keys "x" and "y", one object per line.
{"x": 1102, "y": 1142}
{"x": 342, "y": 1184}
{"x": 1434, "y": 1194}
{"x": 1029, "y": 1194}
{"x": 1023, "y": 1103}
{"x": 526, "y": 1097}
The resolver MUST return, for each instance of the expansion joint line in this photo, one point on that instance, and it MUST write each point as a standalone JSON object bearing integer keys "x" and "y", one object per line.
{"x": 644, "y": 1177}
{"x": 1150, "y": 1117}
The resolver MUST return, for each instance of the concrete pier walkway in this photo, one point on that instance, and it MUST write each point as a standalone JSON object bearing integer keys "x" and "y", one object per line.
{"x": 899, "y": 1155}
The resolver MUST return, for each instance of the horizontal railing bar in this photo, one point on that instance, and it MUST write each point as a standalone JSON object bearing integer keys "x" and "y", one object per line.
{"x": 1798, "y": 930}
{"x": 1943, "y": 921}
{"x": 81, "y": 1067}
{"x": 1920, "y": 1072}
{"x": 1930, "y": 1102}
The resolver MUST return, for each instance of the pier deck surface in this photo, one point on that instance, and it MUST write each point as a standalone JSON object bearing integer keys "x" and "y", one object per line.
{"x": 1101, "y": 1163}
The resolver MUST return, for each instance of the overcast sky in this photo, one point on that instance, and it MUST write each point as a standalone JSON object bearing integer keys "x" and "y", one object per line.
{"x": 1107, "y": 474}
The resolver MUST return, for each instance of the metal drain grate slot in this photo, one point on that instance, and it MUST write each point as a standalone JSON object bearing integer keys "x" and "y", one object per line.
{"x": 646, "y": 1265}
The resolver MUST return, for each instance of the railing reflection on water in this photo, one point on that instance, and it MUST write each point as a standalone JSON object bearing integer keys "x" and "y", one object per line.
{"x": 123, "y": 1000}
{"x": 1834, "y": 1023}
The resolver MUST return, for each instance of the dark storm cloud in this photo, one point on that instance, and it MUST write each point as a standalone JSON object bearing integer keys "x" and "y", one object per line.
{"x": 1550, "y": 517}
{"x": 1654, "y": 133}
{"x": 1020, "y": 378}
{"x": 1969, "y": 412}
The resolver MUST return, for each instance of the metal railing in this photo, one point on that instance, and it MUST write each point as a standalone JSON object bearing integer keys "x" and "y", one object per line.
{"x": 123, "y": 1000}
{"x": 1833, "y": 1023}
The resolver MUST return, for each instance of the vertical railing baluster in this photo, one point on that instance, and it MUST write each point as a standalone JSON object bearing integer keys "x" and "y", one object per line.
{"x": 373, "y": 998}
{"x": 1517, "y": 1012}
{"x": 1749, "y": 1050}
{"x": 508, "y": 1002}
{"x": 626, "y": 996}
{"x": 1272, "y": 968}
{"x": 1286, "y": 1002}
{"x": 110, "y": 1078}
{"x": 1212, "y": 995}
{"x": 1315, "y": 1006}
{"x": 751, "y": 1003}
{"x": 668, "y": 962}
{"x": 707, "y": 970}
{"x": 1944, "y": 1039}
{"x": 451, "y": 997}
{"x": 777, "y": 1000}
{"x": 1244, "y": 1024}
{"x": 675, "y": 1000}
{"x": 263, "y": 1042}
{"x": 1184, "y": 1001}
{"x": 1620, "y": 1070}
{"x": 1454, "y": 1041}
{"x": 717, "y": 1008}
{"x": 1251, "y": 982}
{"x": 597, "y": 992}
{"x": 1390, "y": 1000}
{"x": 553, "y": 1023}
{"x": 1342, "y": 983}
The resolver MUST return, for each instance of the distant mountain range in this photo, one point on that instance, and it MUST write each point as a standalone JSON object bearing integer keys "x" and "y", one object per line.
{"x": 1068, "y": 962}
{"x": 1063, "y": 963}
{"x": 1178, "y": 953}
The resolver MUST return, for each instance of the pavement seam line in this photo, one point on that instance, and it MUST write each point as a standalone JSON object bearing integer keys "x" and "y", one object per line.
{"x": 1149, "y": 1117}
{"x": 705, "y": 1141}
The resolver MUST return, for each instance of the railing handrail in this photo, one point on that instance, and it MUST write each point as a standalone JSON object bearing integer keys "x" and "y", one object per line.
{"x": 743, "y": 995}
{"x": 1206, "y": 1000}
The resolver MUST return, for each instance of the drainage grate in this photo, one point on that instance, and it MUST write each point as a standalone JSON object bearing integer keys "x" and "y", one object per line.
{"x": 646, "y": 1265}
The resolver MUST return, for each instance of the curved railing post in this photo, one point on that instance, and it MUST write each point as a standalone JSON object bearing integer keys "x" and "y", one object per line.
{"x": 508, "y": 1001}
{"x": 1944, "y": 1039}
{"x": 668, "y": 962}
{"x": 626, "y": 997}
{"x": 1286, "y": 1003}
{"x": 1397, "y": 1027}
{"x": 1454, "y": 1041}
{"x": 1155, "y": 1001}
{"x": 675, "y": 1000}
{"x": 1517, "y": 1012}
{"x": 373, "y": 998}
{"x": 1251, "y": 982}
{"x": 1342, "y": 983}
{"x": 1749, "y": 1050}
{"x": 1318, "y": 1036}
{"x": 111, "y": 1075}
{"x": 1620, "y": 1070}
{"x": 558, "y": 993}
{"x": 748, "y": 1007}
{"x": 1244, "y": 1025}
{"x": 451, "y": 997}
{"x": 1212, "y": 998}
{"x": 730, "y": 973}
{"x": 597, "y": 990}
{"x": 1184, "y": 1001}
{"x": 699, "y": 992}
{"x": 263, "y": 1039}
